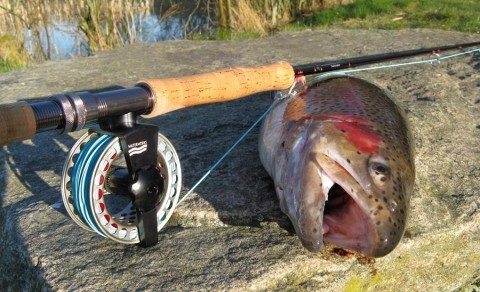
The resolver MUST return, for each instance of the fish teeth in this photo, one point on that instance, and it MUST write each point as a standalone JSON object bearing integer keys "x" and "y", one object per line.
{"x": 327, "y": 183}
{"x": 326, "y": 228}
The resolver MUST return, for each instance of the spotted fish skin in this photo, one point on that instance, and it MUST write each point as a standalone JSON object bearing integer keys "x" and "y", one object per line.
{"x": 340, "y": 155}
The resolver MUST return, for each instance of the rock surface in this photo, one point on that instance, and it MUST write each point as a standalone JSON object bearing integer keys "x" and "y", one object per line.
{"x": 231, "y": 234}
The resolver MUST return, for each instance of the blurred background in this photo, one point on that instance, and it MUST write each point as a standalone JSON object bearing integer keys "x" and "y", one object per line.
{"x": 33, "y": 31}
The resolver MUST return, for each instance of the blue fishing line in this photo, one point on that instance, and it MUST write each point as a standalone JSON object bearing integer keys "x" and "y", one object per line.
{"x": 87, "y": 177}
{"x": 76, "y": 177}
{"x": 82, "y": 176}
{"x": 79, "y": 177}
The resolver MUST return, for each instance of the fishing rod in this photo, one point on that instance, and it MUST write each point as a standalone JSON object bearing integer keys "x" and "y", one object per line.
{"x": 335, "y": 65}
{"x": 72, "y": 111}
{"x": 118, "y": 155}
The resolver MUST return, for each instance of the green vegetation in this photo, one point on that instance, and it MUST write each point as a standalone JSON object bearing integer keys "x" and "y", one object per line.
{"x": 225, "y": 34}
{"x": 461, "y": 15}
{"x": 107, "y": 24}
{"x": 11, "y": 55}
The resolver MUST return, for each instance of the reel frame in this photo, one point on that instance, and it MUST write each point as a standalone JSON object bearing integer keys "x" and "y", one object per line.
{"x": 151, "y": 179}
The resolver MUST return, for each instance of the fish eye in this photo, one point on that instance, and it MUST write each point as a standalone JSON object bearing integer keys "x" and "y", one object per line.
{"x": 379, "y": 168}
{"x": 379, "y": 171}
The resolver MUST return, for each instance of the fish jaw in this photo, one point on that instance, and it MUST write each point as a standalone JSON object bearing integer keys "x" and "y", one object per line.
{"x": 331, "y": 200}
{"x": 355, "y": 157}
{"x": 307, "y": 213}
{"x": 304, "y": 187}
{"x": 346, "y": 217}
{"x": 317, "y": 218}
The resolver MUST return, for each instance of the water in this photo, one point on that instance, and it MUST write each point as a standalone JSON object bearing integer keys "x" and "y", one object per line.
{"x": 65, "y": 39}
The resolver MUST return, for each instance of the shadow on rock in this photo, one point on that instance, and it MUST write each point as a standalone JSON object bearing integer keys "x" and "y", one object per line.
{"x": 240, "y": 190}
{"x": 29, "y": 162}
{"x": 475, "y": 61}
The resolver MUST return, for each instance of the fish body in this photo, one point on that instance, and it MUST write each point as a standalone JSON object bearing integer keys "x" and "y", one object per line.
{"x": 340, "y": 155}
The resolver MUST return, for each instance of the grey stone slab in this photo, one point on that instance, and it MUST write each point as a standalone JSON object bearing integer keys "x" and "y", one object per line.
{"x": 231, "y": 234}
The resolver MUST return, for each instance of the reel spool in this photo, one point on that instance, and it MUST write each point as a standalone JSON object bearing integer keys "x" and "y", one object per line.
{"x": 97, "y": 187}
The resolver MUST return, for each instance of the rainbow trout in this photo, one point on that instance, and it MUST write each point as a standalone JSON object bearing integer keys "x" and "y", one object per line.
{"x": 340, "y": 156}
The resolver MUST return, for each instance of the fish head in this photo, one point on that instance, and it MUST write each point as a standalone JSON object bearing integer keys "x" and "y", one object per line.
{"x": 347, "y": 184}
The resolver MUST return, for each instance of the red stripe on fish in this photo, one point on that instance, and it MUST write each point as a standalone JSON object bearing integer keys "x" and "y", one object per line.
{"x": 361, "y": 137}
{"x": 358, "y": 131}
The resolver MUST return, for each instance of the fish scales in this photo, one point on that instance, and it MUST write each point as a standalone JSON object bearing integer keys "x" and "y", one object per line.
{"x": 341, "y": 158}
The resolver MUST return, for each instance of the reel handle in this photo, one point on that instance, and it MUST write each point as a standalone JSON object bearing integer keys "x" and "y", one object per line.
{"x": 17, "y": 122}
{"x": 222, "y": 85}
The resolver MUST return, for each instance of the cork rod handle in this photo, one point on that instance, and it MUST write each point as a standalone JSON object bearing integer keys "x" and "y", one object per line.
{"x": 223, "y": 85}
{"x": 17, "y": 122}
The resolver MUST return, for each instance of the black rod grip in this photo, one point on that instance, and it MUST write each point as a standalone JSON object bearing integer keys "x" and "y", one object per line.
{"x": 17, "y": 122}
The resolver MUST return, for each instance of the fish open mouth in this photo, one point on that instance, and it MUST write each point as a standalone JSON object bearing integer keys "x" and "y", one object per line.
{"x": 345, "y": 222}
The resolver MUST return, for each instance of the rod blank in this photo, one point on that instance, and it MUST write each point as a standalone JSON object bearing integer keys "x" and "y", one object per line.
{"x": 334, "y": 65}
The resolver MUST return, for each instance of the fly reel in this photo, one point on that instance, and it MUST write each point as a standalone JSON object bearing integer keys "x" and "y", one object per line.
{"x": 122, "y": 182}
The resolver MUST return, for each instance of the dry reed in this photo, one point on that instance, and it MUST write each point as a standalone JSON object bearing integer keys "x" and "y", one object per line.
{"x": 109, "y": 23}
{"x": 245, "y": 18}
{"x": 262, "y": 16}
{"x": 105, "y": 24}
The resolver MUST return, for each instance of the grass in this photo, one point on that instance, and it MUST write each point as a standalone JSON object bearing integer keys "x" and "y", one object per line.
{"x": 459, "y": 15}
{"x": 225, "y": 34}
{"x": 6, "y": 66}
{"x": 12, "y": 56}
